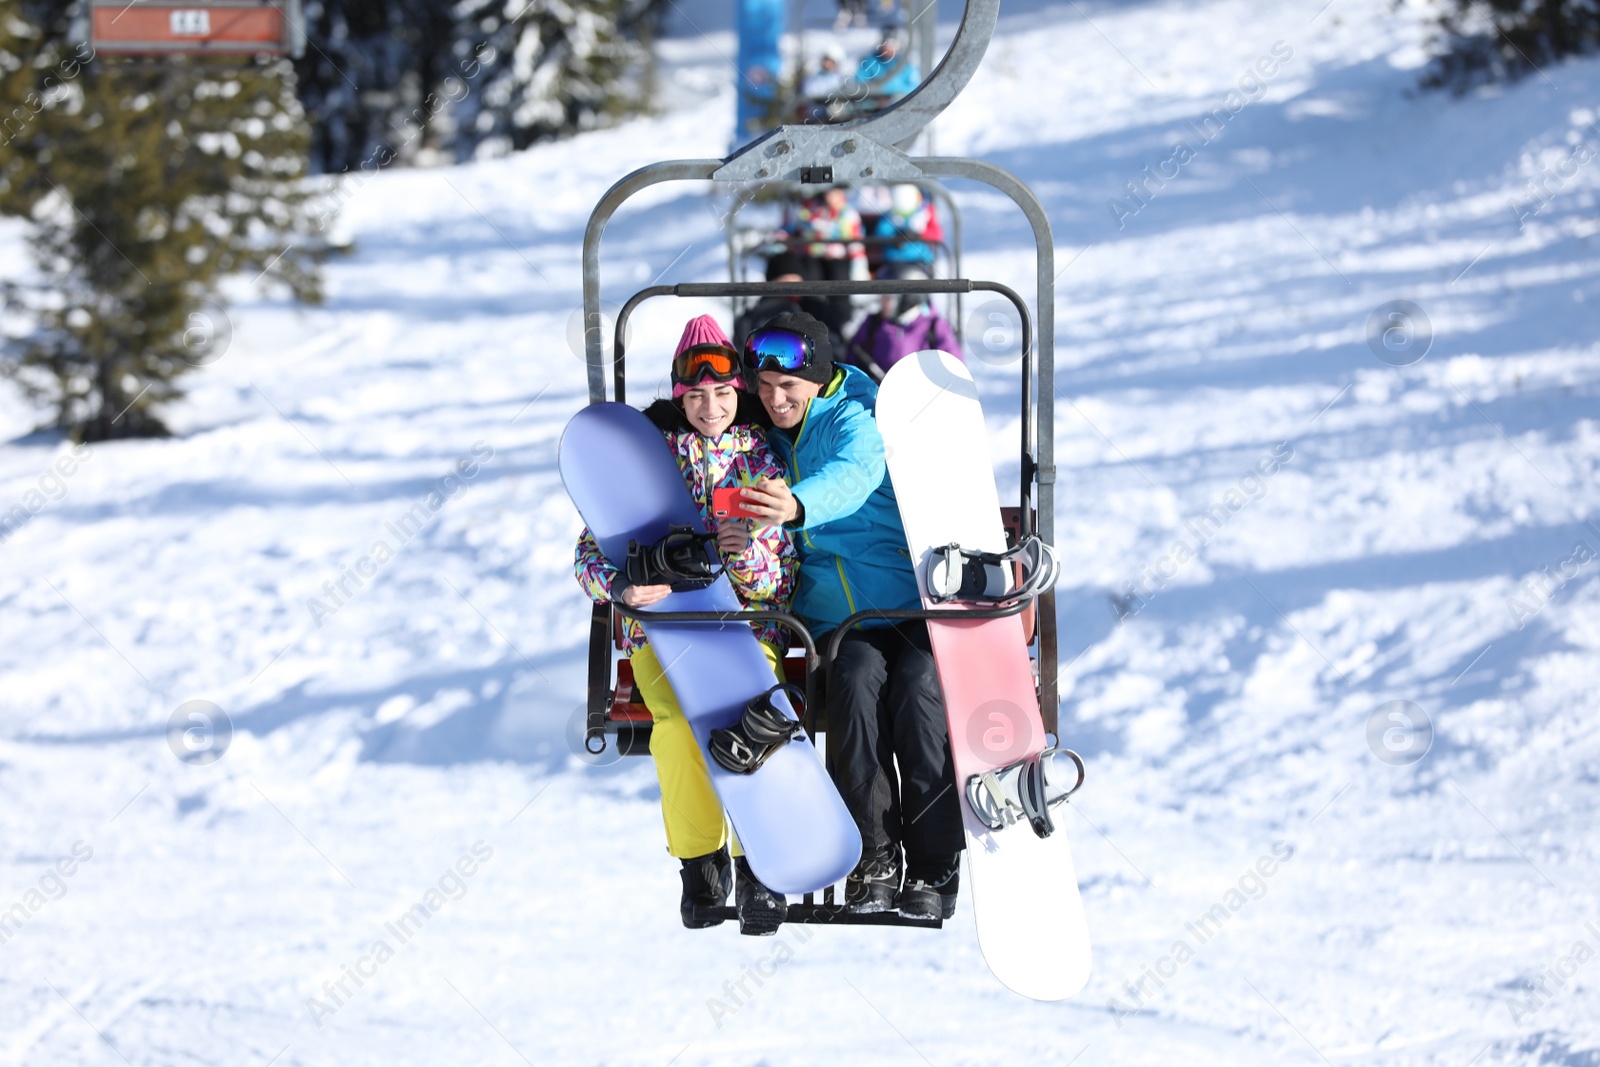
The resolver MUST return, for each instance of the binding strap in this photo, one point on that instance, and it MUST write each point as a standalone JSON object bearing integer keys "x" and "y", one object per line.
{"x": 1025, "y": 790}
{"x": 1031, "y": 786}
{"x": 956, "y": 573}
{"x": 766, "y": 724}
{"x": 678, "y": 559}
{"x": 1005, "y": 811}
{"x": 763, "y": 729}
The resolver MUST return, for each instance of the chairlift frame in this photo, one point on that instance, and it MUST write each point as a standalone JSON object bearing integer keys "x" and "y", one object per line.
{"x": 864, "y": 150}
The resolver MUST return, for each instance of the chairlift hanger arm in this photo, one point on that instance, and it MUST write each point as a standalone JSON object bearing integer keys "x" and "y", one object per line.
{"x": 593, "y": 324}
{"x": 1044, "y": 243}
{"x": 861, "y": 149}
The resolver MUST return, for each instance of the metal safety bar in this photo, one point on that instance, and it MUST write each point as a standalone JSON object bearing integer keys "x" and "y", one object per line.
{"x": 782, "y": 618}
{"x": 923, "y": 614}
{"x": 884, "y": 287}
{"x": 815, "y": 664}
{"x": 797, "y": 245}
{"x": 1047, "y": 712}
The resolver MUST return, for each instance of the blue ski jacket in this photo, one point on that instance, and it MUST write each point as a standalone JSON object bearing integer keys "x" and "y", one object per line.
{"x": 899, "y": 75}
{"x": 852, "y": 546}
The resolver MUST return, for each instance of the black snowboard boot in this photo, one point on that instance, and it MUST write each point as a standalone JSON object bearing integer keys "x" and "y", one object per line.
{"x": 875, "y": 882}
{"x": 931, "y": 885}
{"x": 707, "y": 881}
{"x": 761, "y": 911}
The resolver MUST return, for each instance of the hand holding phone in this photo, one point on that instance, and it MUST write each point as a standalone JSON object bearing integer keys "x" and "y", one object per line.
{"x": 770, "y": 501}
{"x": 727, "y": 504}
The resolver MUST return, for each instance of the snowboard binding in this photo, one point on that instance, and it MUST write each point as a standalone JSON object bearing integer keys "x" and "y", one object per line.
{"x": 1027, "y": 789}
{"x": 678, "y": 559}
{"x": 956, "y": 573}
{"x": 760, "y": 731}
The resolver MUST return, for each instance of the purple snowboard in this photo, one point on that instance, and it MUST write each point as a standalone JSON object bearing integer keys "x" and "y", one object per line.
{"x": 794, "y": 827}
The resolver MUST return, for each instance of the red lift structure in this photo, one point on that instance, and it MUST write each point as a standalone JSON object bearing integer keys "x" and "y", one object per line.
{"x": 210, "y": 27}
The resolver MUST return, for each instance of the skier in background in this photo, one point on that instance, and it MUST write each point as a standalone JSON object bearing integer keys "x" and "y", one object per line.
{"x": 888, "y": 741}
{"x": 902, "y": 325}
{"x": 823, "y": 89}
{"x": 832, "y": 230}
{"x": 888, "y": 72}
{"x": 787, "y": 267}
{"x": 908, "y": 214}
{"x": 712, "y": 424}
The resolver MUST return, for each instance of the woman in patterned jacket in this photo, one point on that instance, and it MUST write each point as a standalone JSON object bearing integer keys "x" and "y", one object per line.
{"x": 713, "y": 426}
{"x": 833, "y": 230}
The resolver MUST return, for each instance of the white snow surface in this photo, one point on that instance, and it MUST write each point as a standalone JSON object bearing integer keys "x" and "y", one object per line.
{"x": 1434, "y": 913}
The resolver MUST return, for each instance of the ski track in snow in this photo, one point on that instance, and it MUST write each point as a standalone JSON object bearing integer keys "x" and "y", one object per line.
{"x": 1225, "y": 716}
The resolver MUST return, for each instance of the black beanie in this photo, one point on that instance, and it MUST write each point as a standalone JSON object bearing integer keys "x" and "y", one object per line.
{"x": 821, "y": 368}
{"x": 782, "y": 263}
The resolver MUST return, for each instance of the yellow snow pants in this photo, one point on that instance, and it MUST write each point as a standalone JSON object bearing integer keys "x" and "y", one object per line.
{"x": 689, "y": 804}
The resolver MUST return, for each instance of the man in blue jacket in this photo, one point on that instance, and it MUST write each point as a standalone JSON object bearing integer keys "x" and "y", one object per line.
{"x": 884, "y": 703}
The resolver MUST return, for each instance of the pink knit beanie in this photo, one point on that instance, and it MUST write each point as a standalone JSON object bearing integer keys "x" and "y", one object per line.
{"x": 701, "y": 330}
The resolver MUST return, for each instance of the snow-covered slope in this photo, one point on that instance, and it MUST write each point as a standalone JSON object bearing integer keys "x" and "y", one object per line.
{"x": 1295, "y": 533}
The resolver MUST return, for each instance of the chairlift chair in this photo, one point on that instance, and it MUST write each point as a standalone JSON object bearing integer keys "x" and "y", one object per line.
{"x": 868, "y": 150}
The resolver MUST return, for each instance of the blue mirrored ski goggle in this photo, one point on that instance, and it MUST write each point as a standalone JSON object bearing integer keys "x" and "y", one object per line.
{"x": 777, "y": 349}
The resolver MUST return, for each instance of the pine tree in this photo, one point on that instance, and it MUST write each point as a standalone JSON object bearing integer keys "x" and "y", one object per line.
{"x": 544, "y": 68}
{"x": 368, "y": 67}
{"x": 1492, "y": 40}
{"x": 417, "y": 81}
{"x": 147, "y": 184}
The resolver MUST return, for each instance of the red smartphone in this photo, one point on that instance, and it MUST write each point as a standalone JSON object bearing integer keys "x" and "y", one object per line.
{"x": 725, "y": 504}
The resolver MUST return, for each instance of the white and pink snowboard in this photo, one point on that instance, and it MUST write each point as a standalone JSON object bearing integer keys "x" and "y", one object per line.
{"x": 1023, "y": 888}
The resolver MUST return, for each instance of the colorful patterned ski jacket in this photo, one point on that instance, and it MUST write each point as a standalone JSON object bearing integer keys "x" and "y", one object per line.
{"x": 763, "y": 574}
{"x": 834, "y": 234}
{"x": 852, "y": 545}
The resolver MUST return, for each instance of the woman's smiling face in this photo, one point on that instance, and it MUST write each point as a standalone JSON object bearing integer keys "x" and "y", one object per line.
{"x": 710, "y": 407}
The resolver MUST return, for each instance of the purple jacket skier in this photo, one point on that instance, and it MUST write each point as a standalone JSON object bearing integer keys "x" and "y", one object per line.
{"x": 907, "y": 324}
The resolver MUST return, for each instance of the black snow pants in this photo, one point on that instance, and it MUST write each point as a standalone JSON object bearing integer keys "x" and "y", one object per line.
{"x": 884, "y": 708}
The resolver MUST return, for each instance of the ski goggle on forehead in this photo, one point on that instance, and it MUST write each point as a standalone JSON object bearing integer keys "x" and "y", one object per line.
{"x": 715, "y": 361}
{"x": 777, "y": 349}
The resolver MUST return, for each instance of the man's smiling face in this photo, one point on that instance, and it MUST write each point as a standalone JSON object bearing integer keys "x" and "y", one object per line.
{"x": 785, "y": 397}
